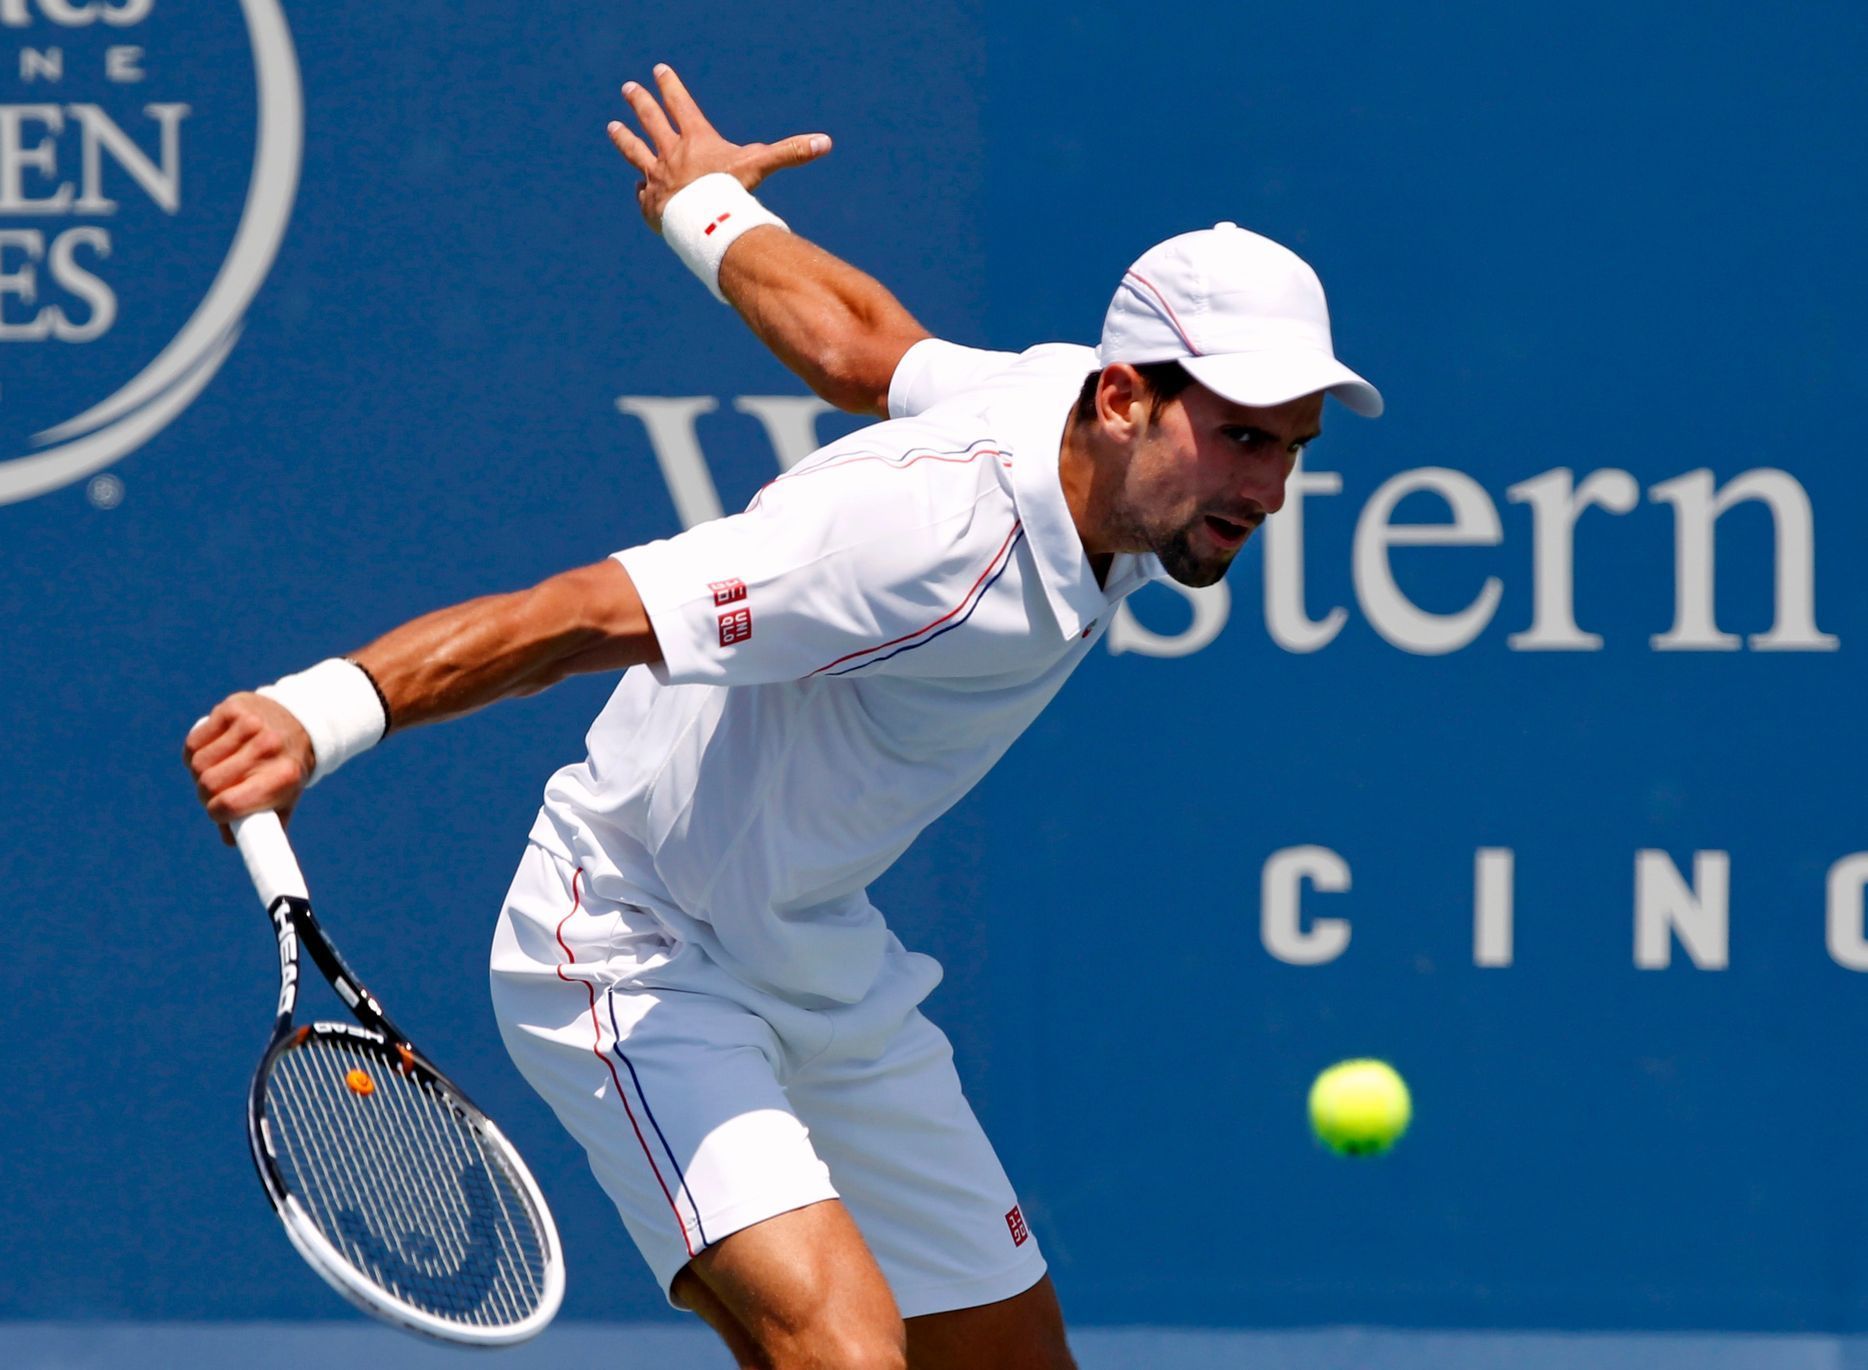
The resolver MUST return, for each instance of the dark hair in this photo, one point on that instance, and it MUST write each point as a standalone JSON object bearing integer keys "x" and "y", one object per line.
{"x": 1164, "y": 380}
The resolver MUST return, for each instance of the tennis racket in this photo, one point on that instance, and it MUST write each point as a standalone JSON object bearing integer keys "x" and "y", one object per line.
{"x": 391, "y": 1184}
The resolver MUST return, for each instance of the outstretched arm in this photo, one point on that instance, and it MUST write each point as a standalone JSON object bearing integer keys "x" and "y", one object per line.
{"x": 253, "y": 753}
{"x": 839, "y": 329}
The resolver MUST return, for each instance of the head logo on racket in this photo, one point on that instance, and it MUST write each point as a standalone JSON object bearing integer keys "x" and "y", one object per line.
{"x": 389, "y": 1181}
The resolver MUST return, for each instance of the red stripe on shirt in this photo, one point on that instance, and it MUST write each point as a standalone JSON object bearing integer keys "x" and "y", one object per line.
{"x": 965, "y": 458}
{"x": 973, "y": 590}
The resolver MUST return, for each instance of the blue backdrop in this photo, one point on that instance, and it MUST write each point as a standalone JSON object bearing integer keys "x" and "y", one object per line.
{"x": 1564, "y": 241}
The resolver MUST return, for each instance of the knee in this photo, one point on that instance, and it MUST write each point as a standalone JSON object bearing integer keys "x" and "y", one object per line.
{"x": 843, "y": 1348}
{"x": 859, "y": 1353}
{"x": 835, "y": 1330}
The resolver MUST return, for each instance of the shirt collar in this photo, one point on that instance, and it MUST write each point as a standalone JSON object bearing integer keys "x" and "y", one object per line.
{"x": 1036, "y": 425}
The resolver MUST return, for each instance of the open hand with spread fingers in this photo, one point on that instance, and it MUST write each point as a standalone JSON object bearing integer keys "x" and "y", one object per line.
{"x": 681, "y": 146}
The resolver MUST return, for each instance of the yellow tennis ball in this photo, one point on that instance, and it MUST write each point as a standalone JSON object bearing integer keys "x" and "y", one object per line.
{"x": 1360, "y": 1108}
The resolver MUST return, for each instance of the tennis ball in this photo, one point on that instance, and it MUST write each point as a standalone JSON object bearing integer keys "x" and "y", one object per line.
{"x": 1360, "y": 1108}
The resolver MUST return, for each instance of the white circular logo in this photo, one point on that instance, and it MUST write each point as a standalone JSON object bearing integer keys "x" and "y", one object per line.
{"x": 72, "y": 449}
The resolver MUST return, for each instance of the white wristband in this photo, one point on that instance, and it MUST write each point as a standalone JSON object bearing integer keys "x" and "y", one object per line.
{"x": 705, "y": 217}
{"x": 337, "y": 704}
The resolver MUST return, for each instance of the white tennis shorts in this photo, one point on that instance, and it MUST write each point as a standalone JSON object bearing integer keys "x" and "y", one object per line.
{"x": 707, "y": 1105}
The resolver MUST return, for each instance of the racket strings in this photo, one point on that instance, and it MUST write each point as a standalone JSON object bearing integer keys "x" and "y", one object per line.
{"x": 458, "y": 1249}
{"x": 457, "y": 1262}
{"x": 403, "y": 1184}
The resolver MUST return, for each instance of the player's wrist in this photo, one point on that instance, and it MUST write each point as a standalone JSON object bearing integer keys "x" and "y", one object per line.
{"x": 340, "y": 708}
{"x": 706, "y": 217}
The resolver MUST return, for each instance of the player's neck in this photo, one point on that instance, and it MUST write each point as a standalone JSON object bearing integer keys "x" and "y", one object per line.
{"x": 1084, "y": 472}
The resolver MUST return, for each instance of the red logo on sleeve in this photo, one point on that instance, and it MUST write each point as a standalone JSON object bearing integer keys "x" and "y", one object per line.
{"x": 735, "y": 626}
{"x": 1015, "y": 1223}
{"x": 727, "y": 591}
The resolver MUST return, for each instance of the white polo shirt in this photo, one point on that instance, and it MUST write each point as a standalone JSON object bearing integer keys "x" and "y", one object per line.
{"x": 841, "y": 663}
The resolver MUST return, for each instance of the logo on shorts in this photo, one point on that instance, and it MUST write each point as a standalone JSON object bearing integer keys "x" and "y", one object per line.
{"x": 111, "y": 303}
{"x": 727, "y": 591}
{"x": 1015, "y": 1224}
{"x": 735, "y": 626}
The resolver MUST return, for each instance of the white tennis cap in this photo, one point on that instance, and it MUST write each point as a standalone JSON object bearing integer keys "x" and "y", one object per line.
{"x": 1244, "y": 315}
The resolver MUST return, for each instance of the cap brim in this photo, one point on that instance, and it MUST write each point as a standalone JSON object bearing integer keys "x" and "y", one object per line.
{"x": 1263, "y": 379}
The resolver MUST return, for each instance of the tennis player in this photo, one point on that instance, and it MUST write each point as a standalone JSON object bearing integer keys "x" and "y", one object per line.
{"x": 687, "y": 966}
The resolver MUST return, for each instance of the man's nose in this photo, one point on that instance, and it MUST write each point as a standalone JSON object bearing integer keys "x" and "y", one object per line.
{"x": 1266, "y": 487}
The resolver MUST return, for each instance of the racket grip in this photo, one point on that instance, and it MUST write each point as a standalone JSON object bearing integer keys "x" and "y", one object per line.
{"x": 268, "y": 856}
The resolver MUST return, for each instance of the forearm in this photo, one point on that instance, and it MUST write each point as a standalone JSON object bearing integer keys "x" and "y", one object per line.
{"x": 460, "y": 659}
{"x": 838, "y": 328}
{"x": 258, "y": 751}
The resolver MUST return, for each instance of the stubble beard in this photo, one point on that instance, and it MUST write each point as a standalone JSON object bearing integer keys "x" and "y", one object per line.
{"x": 1175, "y": 549}
{"x": 1180, "y": 560}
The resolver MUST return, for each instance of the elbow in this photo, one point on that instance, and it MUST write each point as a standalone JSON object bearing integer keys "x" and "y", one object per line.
{"x": 597, "y": 622}
{"x": 854, "y": 375}
{"x": 849, "y": 378}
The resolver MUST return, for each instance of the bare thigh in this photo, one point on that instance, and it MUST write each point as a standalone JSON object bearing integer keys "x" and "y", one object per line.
{"x": 1024, "y": 1332}
{"x": 802, "y": 1289}
{"x": 797, "y": 1290}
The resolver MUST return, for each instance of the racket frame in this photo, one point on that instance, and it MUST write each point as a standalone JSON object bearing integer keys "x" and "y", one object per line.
{"x": 296, "y": 928}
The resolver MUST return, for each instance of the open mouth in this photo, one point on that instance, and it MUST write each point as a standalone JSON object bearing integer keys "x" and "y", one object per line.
{"x": 1226, "y": 532}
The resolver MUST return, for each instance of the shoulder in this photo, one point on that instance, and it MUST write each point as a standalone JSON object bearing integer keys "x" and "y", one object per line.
{"x": 893, "y": 477}
{"x": 888, "y": 516}
{"x": 1055, "y": 359}
{"x": 935, "y": 372}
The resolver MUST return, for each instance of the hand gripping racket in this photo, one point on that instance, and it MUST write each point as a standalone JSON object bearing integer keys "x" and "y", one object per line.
{"x": 390, "y": 1182}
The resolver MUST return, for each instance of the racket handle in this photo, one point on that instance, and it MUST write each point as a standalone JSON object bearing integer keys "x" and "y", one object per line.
{"x": 268, "y": 856}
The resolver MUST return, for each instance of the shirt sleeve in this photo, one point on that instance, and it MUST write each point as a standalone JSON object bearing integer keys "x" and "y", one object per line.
{"x": 934, "y": 370}
{"x": 835, "y": 567}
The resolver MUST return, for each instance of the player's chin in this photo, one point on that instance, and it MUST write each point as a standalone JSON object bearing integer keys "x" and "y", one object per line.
{"x": 1195, "y": 565}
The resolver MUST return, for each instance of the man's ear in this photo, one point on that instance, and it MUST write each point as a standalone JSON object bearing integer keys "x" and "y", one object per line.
{"x": 1121, "y": 401}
